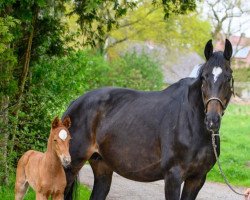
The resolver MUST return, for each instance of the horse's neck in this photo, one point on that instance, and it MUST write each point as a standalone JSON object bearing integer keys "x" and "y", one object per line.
{"x": 195, "y": 97}
{"x": 51, "y": 160}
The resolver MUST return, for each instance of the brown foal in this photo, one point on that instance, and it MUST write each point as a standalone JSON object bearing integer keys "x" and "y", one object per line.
{"x": 44, "y": 171}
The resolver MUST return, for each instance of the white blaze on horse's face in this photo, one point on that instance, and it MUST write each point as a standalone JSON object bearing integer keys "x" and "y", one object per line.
{"x": 63, "y": 134}
{"x": 216, "y": 72}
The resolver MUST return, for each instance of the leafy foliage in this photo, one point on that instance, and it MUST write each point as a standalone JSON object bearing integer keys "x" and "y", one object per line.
{"x": 98, "y": 18}
{"x": 7, "y": 57}
{"x": 69, "y": 77}
{"x": 8, "y": 86}
{"x": 175, "y": 32}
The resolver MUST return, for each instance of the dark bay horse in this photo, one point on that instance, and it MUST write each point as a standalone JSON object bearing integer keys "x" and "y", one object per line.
{"x": 148, "y": 136}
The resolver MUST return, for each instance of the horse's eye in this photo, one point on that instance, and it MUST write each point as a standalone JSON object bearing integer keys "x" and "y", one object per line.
{"x": 55, "y": 140}
{"x": 228, "y": 78}
{"x": 204, "y": 77}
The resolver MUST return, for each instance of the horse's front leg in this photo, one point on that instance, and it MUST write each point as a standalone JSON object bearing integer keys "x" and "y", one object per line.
{"x": 192, "y": 186}
{"x": 173, "y": 184}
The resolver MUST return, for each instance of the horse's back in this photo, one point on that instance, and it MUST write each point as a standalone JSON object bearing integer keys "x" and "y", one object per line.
{"x": 30, "y": 155}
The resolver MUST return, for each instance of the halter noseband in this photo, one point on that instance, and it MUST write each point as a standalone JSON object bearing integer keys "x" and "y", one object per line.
{"x": 217, "y": 99}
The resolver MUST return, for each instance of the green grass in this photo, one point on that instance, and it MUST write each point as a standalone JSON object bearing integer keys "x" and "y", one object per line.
{"x": 7, "y": 193}
{"x": 235, "y": 146}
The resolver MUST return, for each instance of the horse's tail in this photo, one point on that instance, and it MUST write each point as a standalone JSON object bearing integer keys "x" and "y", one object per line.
{"x": 73, "y": 193}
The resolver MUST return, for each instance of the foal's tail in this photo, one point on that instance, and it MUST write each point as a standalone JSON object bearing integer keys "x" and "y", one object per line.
{"x": 73, "y": 193}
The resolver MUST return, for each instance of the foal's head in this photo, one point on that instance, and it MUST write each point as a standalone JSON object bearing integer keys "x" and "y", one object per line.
{"x": 217, "y": 83}
{"x": 61, "y": 137}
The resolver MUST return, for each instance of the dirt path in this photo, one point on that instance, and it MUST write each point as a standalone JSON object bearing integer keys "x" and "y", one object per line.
{"x": 124, "y": 189}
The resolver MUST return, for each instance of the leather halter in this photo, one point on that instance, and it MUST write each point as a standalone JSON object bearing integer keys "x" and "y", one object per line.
{"x": 217, "y": 99}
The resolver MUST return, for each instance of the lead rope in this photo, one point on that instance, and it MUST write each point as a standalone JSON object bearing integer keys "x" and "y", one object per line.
{"x": 218, "y": 162}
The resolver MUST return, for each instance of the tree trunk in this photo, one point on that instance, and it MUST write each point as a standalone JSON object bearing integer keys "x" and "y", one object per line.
{"x": 23, "y": 78}
{"x": 4, "y": 133}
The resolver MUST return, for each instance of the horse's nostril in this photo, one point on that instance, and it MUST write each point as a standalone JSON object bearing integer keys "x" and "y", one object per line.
{"x": 212, "y": 122}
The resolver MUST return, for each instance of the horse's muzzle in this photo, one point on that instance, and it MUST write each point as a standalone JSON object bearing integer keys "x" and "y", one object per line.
{"x": 212, "y": 121}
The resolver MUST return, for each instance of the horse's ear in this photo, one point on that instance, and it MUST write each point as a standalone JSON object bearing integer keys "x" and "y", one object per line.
{"x": 208, "y": 49}
{"x": 55, "y": 122}
{"x": 67, "y": 122}
{"x": 228, "y": 50}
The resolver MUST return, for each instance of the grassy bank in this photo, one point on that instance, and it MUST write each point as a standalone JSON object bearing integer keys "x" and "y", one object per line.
{"x": 235, "y": 146}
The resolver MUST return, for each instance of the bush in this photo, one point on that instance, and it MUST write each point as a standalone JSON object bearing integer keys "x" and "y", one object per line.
{"x": 138, "y": 72}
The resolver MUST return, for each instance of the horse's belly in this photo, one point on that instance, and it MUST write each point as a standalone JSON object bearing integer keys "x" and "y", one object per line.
{"x": 137, "y": 159}
{"x": 152, "y": 173}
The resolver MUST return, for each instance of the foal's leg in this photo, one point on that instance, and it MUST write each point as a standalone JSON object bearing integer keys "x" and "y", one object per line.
{"x": 21, "y": 184}
{"x": 191, "y": 187}
{"x": 20, "y": 190}
{"x": 59, "y": 196}
{"x": 172, "y": 184}
{"x": 41, "y": 196}
{"x": 103, "y": 178}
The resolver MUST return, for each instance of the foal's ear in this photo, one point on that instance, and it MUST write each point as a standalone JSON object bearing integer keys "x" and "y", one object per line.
{"x": 56, "y": 122}
{"x": 208, "y": 49}
{"x": 228, "y": 50}
{"x": 67, "y": 122}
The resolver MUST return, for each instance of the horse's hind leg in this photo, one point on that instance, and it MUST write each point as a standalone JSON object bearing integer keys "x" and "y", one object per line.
{"x": 103, "y": 178}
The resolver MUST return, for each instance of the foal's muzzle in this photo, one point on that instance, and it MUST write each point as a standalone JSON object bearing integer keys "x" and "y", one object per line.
{"x": 66, "y": 160}
{"x": 212, "y": 121}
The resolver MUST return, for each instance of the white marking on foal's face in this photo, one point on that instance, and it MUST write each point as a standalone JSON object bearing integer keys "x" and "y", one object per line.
{"x": 63, "y": 134}
{"x": 216, "y": 72}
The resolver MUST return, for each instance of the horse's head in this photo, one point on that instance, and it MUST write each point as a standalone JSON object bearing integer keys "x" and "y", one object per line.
{"x": 217, "y": 84}
{"x": 61, "y": 138}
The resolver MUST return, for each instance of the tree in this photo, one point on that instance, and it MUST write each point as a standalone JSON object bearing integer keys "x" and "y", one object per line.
{"x": 7, "y": 88}
{"x": 98, "y": 18}
{"x": 21, "y": 44}
{"x": 222, "y": 15}
{"x": 147, "y": 22}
